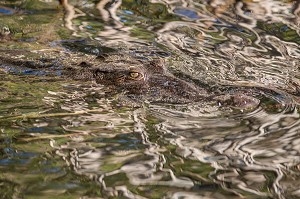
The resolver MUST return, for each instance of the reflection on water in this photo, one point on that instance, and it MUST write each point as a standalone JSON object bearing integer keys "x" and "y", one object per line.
{"x": 61, "y": 138}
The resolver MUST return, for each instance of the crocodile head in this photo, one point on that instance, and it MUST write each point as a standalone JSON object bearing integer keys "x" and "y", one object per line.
{"x": 149, "y": 80}
{"x": 146, "y": 79}
{"x": 139, "y": 79}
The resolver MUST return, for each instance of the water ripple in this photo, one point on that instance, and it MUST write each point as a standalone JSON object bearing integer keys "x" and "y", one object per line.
{"x": 206, "y": 149}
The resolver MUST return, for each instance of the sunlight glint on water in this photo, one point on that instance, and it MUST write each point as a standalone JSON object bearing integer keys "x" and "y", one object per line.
{"x": 60, "y": 138}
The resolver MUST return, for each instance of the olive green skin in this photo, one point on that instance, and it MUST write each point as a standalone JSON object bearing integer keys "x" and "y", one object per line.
{"x": 141, "y": 79}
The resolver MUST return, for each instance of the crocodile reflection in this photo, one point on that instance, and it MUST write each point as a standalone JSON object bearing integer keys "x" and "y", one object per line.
{"x": 139, "y": 79}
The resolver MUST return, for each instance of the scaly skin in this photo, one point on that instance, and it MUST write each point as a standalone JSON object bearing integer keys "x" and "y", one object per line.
{"x": 146, "y": 80}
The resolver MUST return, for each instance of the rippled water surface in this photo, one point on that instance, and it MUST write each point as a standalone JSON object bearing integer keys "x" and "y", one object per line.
{"x": 62, "y": 138}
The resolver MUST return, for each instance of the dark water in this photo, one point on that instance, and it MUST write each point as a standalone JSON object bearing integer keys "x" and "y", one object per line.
{"x": 66, "y": 139}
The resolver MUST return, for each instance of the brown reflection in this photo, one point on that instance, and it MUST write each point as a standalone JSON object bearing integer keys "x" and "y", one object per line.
{"x": 109, "y": 12}
{"x": 70, "y": 14}
{"x": 296, "y": 11}
{"x": 114, "y": 31}
{"x": 219, "y": 7}
{"x": 5, "y": 34}
{"x": 103, "y": 12}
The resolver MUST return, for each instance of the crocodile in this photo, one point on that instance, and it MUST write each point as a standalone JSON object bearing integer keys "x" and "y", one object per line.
{"x": 137, "y": 78}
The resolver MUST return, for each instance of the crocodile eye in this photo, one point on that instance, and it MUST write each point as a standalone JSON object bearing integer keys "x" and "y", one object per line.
{"x": 135, "y": 75}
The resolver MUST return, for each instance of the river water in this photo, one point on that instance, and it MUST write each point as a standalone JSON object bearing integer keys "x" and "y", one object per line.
{"x": 61, "y": 138}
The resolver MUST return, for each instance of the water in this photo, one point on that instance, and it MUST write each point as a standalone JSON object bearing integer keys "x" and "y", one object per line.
{"x": 69, "y": 139}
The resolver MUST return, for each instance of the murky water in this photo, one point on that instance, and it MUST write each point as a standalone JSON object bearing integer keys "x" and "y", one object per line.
{"x": 61, "y": 138}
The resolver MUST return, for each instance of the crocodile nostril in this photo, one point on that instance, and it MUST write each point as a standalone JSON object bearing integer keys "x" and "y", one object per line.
{"x": 121, "y": 78}
{"x": 98, "y": 75}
